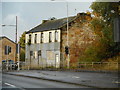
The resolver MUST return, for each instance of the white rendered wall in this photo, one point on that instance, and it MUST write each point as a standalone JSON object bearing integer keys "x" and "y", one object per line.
{"x": 45, "y": 35}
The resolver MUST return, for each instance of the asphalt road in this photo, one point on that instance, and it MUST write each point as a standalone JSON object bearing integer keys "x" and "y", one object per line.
{"x": 21, "y": 83}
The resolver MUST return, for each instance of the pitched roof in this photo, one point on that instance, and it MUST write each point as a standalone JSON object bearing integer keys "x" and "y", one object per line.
{"x": 52, "y": 24}
{"x": 2, "y": 37}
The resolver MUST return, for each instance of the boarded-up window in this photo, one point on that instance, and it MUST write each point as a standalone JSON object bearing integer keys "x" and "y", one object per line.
{"x": 56, "y": 36}
{"x": 39, "y": 53}
{"x": 42, "y": 38}
{"x": 30, "y": 37}
{"x": 31, "y": 53}
{"x": 50, "y": 36}
{"x": 35, "y": 38}
{"x": 35, "y": 54}
{"x": 50, "y": 55}
{"x": 6, "y": 50}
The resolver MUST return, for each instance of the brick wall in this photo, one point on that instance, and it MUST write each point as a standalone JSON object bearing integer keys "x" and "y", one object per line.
{"x": 11, "y": 55}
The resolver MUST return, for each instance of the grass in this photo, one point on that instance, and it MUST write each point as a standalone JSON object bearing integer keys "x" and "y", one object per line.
{"x": 112, "y": 66}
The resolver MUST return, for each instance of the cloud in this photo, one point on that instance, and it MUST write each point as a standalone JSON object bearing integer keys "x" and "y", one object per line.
{"x": 11, "y": 20}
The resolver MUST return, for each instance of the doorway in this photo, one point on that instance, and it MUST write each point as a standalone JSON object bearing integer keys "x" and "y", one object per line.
{"x": 57, "y": 61}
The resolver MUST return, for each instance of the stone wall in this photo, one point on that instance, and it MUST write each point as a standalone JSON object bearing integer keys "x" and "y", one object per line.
{"x": 80, "y": 37}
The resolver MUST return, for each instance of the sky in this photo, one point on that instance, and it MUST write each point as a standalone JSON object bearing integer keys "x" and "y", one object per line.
{"x": 31, "y": 14}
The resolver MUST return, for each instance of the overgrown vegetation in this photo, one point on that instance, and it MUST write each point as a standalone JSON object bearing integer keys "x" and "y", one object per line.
{"x": 104, "y": 46}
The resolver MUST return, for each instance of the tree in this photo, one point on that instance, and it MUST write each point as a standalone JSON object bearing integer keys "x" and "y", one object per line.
{"x": 102, "y": 25}
{"x": 108, "y": 10}
{"x": 22, "y": 40}
{"x": 22, "y": 54}
{"x": 22, "y": 45}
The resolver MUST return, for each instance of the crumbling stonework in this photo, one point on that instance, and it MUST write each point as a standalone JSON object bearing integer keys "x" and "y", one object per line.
{"x": 80, "y": 37}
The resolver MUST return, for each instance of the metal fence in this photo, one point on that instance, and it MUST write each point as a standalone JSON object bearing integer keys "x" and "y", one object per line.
{"x": 98, "y": 65}
{"x": 79, "y": 66}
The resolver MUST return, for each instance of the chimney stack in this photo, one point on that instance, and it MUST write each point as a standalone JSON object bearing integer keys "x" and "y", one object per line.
{"x": 43, "y": 21}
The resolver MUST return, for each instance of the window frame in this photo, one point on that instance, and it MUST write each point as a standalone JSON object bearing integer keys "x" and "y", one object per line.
{"x": 31, "y": 53}
{"x": 39, "y": 53}
{"x": 35, "y": 39}
{"x": 42, "y": 37}
{"x": 50, "y": 36}
{"x": 6, "y": 50}
{"x": 56, "y": 36}
{"x": 30, "y": 36}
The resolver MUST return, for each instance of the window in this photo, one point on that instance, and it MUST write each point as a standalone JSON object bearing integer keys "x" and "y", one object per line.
{"x": 35, "y": 38}
{"x": 42, "y": 38}
{"x": 35, "y": 54}
{"x": 6, "y": 50}
{"x": 50, "y": 36}
{"x": 50, "y": 55}
{"x": 9, "y": 49}
{"x": 56, "y": 60}
{"x": 31, "y": 53}
{"x": 29, "y": 40}
{"x": 56, "y": 36}
{"x": 39, "y": 53}
{"x": 29, "y": 37}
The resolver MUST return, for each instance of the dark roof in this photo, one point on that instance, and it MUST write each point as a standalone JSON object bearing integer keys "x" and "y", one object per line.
{"x": 2, "y": 37}
{"x": 52, "y": 24}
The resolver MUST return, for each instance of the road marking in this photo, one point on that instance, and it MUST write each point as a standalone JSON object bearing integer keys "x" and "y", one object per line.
{"x": 75, "y": 77}
{"x": 10, "y": 85}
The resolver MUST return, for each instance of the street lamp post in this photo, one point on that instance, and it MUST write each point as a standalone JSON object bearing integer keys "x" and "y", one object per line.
{"x": 15, "y": 40}
{"x": 68, "y": 55}
{"x": 16, "y": 29}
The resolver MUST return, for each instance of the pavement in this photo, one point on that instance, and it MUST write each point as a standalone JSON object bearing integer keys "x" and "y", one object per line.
{"x": 89, "y": 79}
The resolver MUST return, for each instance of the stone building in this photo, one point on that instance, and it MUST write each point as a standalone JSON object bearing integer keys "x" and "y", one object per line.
{"x": 45, "y": 43}
{"x": 7, "y": 50}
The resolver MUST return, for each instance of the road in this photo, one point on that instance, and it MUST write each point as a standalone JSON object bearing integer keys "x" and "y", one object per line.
{"x": 21, "y": 83}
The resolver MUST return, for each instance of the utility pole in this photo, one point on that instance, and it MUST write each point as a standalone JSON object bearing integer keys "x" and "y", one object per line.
{"x": 16, "y": 30}
{"x": 67, "y": 43}
{"x": 7, "y": 58}
{"x": 18, "y": 46}
{"x": 68, "y": 55}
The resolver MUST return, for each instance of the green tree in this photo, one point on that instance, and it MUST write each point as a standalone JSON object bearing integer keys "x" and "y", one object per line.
{"x": 108, "y": 10}
{"x": 22, "y": 54}
{"x": 22, "y": 40}
{"x": 22, "y": 45}
{"x": 102, "y": 24}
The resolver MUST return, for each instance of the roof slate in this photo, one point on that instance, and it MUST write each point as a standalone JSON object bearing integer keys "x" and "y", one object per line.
{"x": 52, "y": 25}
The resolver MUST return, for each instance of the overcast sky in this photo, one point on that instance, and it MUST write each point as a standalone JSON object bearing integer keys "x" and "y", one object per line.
{"x": 31, "y": 14}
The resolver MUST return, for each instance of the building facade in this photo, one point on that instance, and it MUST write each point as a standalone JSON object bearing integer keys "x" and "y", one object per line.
{"x": 7, "y": 50}
{"x": 43, "y": 48}
{"x": 45, "y": 44}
